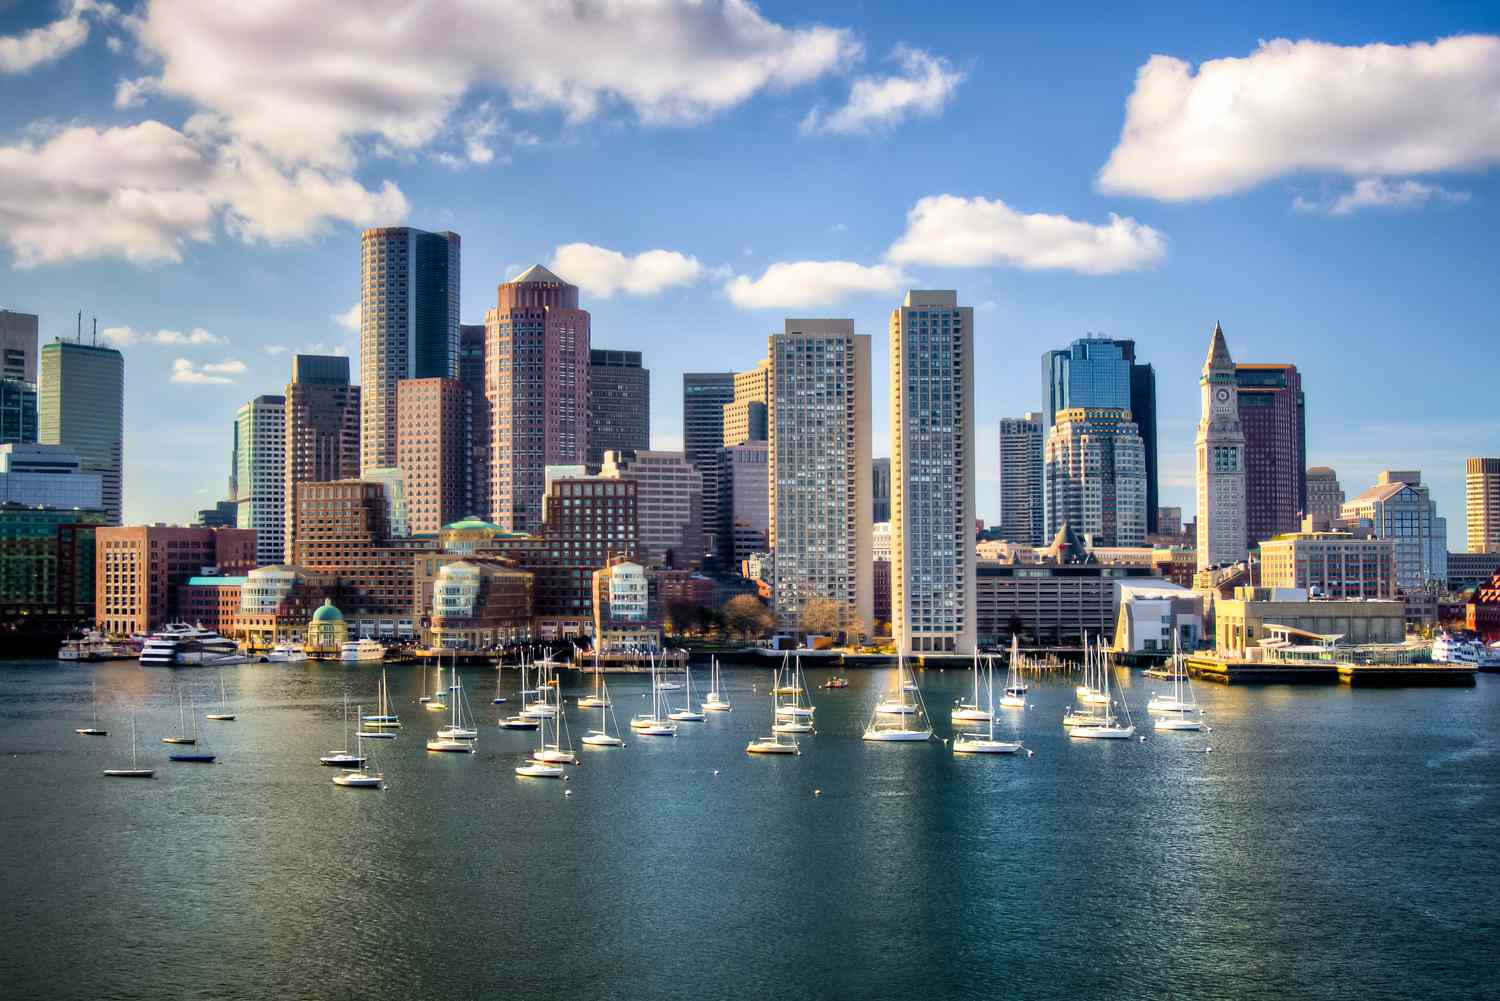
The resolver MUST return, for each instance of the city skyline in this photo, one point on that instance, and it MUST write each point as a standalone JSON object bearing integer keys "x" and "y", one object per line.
{"x": 1357, "y": 257}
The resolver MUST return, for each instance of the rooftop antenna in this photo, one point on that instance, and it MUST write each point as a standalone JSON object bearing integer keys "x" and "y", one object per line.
{"x": 96, "y": 331}
{"x": 80, "y": 326}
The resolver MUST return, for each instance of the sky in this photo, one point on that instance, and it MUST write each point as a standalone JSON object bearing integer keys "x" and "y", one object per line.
{"x": 1320, "y": 179}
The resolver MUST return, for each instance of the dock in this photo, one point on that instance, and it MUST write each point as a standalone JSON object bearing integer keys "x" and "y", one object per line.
{"x": 1236, "y": 671}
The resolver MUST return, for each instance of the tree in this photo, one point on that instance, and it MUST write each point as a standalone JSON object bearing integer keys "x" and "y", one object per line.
{"x": 822, "y": 616}
{"x": 681, "y": 617}
{"x": 747, "y": 617}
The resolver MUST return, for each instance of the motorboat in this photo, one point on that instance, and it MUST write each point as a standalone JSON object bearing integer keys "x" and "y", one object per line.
{"x": 287, "y": 653}
{"x": 91, "y": 645}
{"x": 179, "y": 644}
{"x": 361, "y": 651}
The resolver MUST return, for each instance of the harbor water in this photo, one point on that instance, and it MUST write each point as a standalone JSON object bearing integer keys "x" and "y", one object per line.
{"x": 1314, "y": 843}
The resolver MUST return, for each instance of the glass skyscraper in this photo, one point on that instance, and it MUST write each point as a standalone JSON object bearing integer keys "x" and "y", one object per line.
{"x": 81, "y": 404}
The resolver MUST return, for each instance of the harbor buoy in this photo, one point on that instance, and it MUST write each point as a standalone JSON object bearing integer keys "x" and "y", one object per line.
{"x": 1030, "y": 753}
{"x": 567, "y": 792}
{"x": 716, "y": 771}
{"x": 817, "y": 792}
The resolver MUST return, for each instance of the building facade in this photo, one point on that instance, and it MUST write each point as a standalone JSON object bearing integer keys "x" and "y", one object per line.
{"x": 820, "y": 469}
{"x": 1022, "y": 473}
{"x": 1242, "y": 622}
{"x": 260, "y": 474}
{"x": 322, "y": 430}
{"x": 744, "y": 501}
{"x": 81, "y": 406}
{"x": 476, "y": 408}
{"x": 1220, "y": 448}
{"x": 1399, "y": 507}
{"x": 1095, "y": 474}
{"x": 1325, "y": 498}
{"x": 1273, "y": 420}
{"x": 18, "y": 342}
{"x": 880, "y": 489}
{"x": 932, "y": 474}
{"x": 619, "y": 403}
{"x": 408, "y": 327}
{"x": 18, "y": 412}
{"x": 627, "y": 608}
{"x": 138, "y": 568}
{"x": 1482, "y": 498}
{"x": 1330, "y": 564}
{"x": 1466, "y": 570}
{"x": 431, "y": 452}
{"x": 590, "y": 520}
{"x": 669, "y": 505}
{"x": 745, "y": 416}
{"x": 47, "y": 563}
{"x": 480, "y": 603}
{"x": 537, "y": 383}
{"x": 48, "y": 476}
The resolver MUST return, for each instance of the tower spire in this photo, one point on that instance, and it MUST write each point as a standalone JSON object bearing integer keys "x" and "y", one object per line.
{"x": 1218, "y": 359}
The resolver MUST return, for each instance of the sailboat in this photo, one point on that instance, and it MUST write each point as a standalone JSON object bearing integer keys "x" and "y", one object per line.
{"x": 197, "y": 755}
{"x": 135, "y": 771}
{"x": 455, "y": 737}
{"x": 343, "y": 759}
{"x": 93, "y": 731}
{"x": 795, "y": 686}
{"x": 541, "y": 705}
{"x": 774, "y": 744}
{"x": 598, "y": 699}
{"x": 375, "y": 727}
{"x": 1104, "y": 725}
{"x": 602, "y": 737}
{"x": 790, "y": 686}
{"x": 499, "y": 675}
{"x": 434, "y": 703}
{"x": 1090, "y": 692}
{"x": 886, "y": 725}
{"x": 687, "y": 714}
{"x": 538, "y": 767}
{"x": 361, "y": 777}
{"x": 223, "y": 715}
{"x": 716, "y": 701}
{"x": 985, "y": 743}
{"x": 655, "y": 723}
{"x": 553, "y": 754}
{"x": 1178, "y": 711}
{"x": 973, "y": 711}
{"x": 182, "y": 736}
{"x": 1014, "y": 695}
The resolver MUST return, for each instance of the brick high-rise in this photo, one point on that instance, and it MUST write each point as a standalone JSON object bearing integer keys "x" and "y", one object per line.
{"x": 430, "y": 451}
{"x": 1272, "y": 416}
{"x": 322, "y": 429}
{"x": 138, "y": 568}
{"x": 537, "y": 385}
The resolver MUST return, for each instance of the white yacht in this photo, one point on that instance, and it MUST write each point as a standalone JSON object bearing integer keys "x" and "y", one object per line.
{"x": 361, "y": 651}
{"x": 287, "y": 653}
{"x": 90, "y": 646}
{"x": 1450, "y": 649}
{"x": 181, "y": 644}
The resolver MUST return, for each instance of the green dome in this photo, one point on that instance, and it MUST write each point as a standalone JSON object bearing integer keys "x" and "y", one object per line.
{"x": 471, "y": 525}
{"x": 327, "y": 613}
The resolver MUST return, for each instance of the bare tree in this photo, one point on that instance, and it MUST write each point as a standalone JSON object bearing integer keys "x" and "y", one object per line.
{"x": 747, "y": 617}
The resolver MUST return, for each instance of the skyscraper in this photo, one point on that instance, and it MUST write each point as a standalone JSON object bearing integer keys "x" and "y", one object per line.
{"x": 1399, "y": 506}
{"x": 1324, "y": 495}
{"x": 537, "y": 381}
{"x": 1272, "y": 416}
{"x": 260, "y": 475}
{"x": 322, "y": 430}
{"x": 669, "y": 504}
{"x": 619, "y": 403}
{"x": 820, "y": 469}
{"x": 81, "y": 404}
{"x": 430, "y": 451}
{"x": 1095, "y": 467}
{"x": 1022, "y": 515}
{"x": 745, "y": 415}
{"x": 18, "y": 341}
{"x": 1482, "y": 494}
{"x": 1220, "y": 447}
{"x": 476, "y": 420}
{"x": 880, "y": 489}
{"x": 932, "y": 474}
{"x": 18, "y": 412}
{"x": 744, "y": 497}
{"x": 1103, "y": 372}
{"x": 408, "y": 325}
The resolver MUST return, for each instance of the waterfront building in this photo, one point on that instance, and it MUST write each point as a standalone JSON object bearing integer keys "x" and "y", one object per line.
{"x": 211, "y": 601}
{"x": 619, "y": 403}
{"x": 476, "y": 416}
{"x": 669, "y": 505}
{"x": 537, "y": 383}
{"x": 1482, "y": 611}
{"x": 880, "y": 489}
{"x": 277, "y": 602}
{"x": 1399, "y": 507}
{"x": 1157, "y": 617}
{"x": 1325, "y": 497}
{"x": 1466, "y": 570}
{"x": 18, "y": 341}
{"x": 259, "y": 474}
{"x": 880, "y": 582}
{"x": 1273, "y": 420}
{"x": 627, "y": 607}
{"x": 47, "y": 558}
{"x": 1482, "y": 496}
{"x": 18, "y": 412}
{"x": 1022, "y": 474}
{"x": 408, "y": 327}
{"x": 744, "y": 501}
{"x": 430, "y": 451}
{"x": 590, "y": 519}
{"x": 745, "y": 415}
{"x": 81, "y": 406}
{"x": 138, "y": 569}
{"x": 392, "y": 482}
{"x": 48, "y": 476}
{"x": 1095, "y": 473}
{"x": 1220, "y": 448}
{"x": 1241, "y": 623}
{"x": 322, "y": 430}
{"x": 820, "y": 476}
{"x": 479, "y": 603}
{"x": 1103, "y": 372}
{"x": 932, "y": 474}
{"x": 327, "y": 632}
{"x": 1330, "y": 564}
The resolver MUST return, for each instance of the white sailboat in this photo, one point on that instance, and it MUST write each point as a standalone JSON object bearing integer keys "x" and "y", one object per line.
{"x": 779, "y": 742}
{"x": 434, "y": 703}
{"x": 343, "y": 759}
{"x": 135, "y": 771}
{"x": 1179, "y": 711}
{"x": 553, "y": 754}
{"x": 223, "y": 715}
{"x": 455, "y": 737}
{"x": 181, "y": 736}
{"x": 197, "y": 755}
{"x": 602, "y": 737}
{"x": 654, "y": 723}
{"x": 794, "y": 686}
{"x": 717, "y": 700}
{"x": 375, "y": 727}
{"x": 93, "y": 731}
{"x": 985, "y": 743}
{"x": 538, "y": 705}
{"x": 361, "y": 777}
{"x": 975, "y": 712}
{"x": 687, "y": 714}
{"x": 886, "y": 725}
{"x": 598, "y": 700}
{"x": 538, "y": 767}
{"x": 1014, "y": 694}
{"x": 1104, "y": 725}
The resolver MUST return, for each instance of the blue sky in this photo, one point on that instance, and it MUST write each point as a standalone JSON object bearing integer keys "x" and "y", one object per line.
{"x": 1331, "y": 199}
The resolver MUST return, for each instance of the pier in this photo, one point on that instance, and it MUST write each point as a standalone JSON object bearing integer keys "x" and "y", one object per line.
{"x": 1239, "y": 671}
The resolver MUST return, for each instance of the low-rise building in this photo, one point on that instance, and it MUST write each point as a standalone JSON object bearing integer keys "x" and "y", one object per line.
{"x": 479, "y": 603}
{"x": 211, "y": 601}
{"x": 627, "y": 609}
{"x": 1466, "y": 570}
{"x": 278, "y": 601}
{"x": 1482, "y": 614}
{"x": 47, "y": 560}
{"x": 1242, "y": 622}
{"x": 1157, "y": 617}
{"x": 327, "y": 632}
{"x": 138, "y": 569}
{"x": 1330, "y": 564}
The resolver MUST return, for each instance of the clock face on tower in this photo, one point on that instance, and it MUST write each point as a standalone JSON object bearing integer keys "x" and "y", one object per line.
{"x": 1222, "y": 395}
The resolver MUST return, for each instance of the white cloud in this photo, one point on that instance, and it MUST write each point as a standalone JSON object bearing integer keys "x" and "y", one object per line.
{"x": 1380, "y": 193}
{"x": 349, "y": 319}
{"x": 143, "y": 191}
{"x": 799, "y": 284}
{"x": 1363, "y": 111}
{"x": 275, "y": 349}
{"x": 393, "y": 71}
{"x": 121, "y": 337}
{"x": 950, "y": 231}
{"x": 925, "y": 84}
{"x": 603, "y": 272}
{"x": 213, "y": 373}
{"x": 133, "y": 93}
{"x": 30, "y": 49}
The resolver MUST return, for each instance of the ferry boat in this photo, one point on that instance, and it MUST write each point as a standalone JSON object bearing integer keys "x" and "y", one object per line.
{"x": 1450, "y": 649}
{"x": 360, "y": 651}
{"x": 91, "y": 645}
{"x": 287, "y": 653}
{"x": 181, "y": 644}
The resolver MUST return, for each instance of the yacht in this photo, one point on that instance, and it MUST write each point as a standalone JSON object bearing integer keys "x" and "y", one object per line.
{"x": 90, "y": 646}
{"x": 181, "y": 644}
{"x": 361, "y": 651}
{"x": 287, "y": 653}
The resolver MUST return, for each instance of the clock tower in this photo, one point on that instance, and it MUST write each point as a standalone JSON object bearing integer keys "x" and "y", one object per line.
{"x": 1221, "y": 461}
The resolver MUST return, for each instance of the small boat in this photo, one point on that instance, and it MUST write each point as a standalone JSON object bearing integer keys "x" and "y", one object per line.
{"x": 455, "y": 737}
{"x": 361, "y": 777}
{"x": 182, "y": 736}
{"x": 1104, "y": 725}
{"x": 90, "y": 646}
{"x": 780, "y": 742}
{"x": 1014, "y": 694}
{"x": 383, "y": 718}
{"x": 795, "y": 684}
{"x": 598, "y": 700}
{"x": 655, "y": 724}
{"x": 520, "y": 723}
{"x": 687, "y": 714}
{"x": 288, "y": 653}
{"x": 434, "y": 703}
{"x": 499, "y": 673}
{"x": 135, "y": 771}
{"x": 198, "y": 755}
{"x": 791, "y": 726}
{"x": 1177, "y": 712}
{"x": 223, "y": 715}
{"x": 887, "y": 726}
{"x": 602, "y": 737}
{"x": 553, "y": 753}
{"x": 837, "y": 681}
{"x": 540, "y": 704}
{"x": 985, "y": 743}
{"x": 93, "y": 731}
{"x": 973, "y": 712}
{"x": 537, "y": 770}
{"x": 361, "y": 651}
{"x": 343, "y": 759}
{"x": 717, "y": 700}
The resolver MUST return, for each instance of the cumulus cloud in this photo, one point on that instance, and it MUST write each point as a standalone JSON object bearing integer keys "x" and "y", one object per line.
{"x": 121, "y": 337}
{"x": 213, "y": 373}
{"x": 30, "y": 49}
{"x": 275, "y": 349}
{"x": 142, "y": 192}
{"x": 133, "y": 93}
{"x": 349, "y": 319}
{"x": 799, "y": 284}
{"x": 1362, "y": 111}
{"x": 603, "y": 272}
{"x": 925, "y": 84}
{"x": 950, "y": 231}
{"x": 1380, "y": 193}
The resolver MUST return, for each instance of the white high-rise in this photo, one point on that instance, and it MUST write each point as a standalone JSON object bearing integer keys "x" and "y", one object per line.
{"x": 932, "y": 474}
{"x": 260, "y": 474}
{"x": 1096, "y": 475}
{"x": 819, "y": 424}
{"x": 1022, "y": 513}
{"x": 1220, "y": 446}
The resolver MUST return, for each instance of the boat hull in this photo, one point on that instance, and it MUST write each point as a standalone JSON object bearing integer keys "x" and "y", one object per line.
{"x": 717, "y": 707}
{"x": 221, "y": 717}
{"x": 550, "y": 757}
{"x": 1013, "y": 702}
{"x": 1095, "y": 732}
{"x": 377, "y": 735}
{"x": 981, "y": 745}
{"x": 686, "y": 716}
{"x": 602, "y": 740}
{"x": 342, "y": 761}
{"x": 589, "y": 702}
{"x": 179, "y": 740}
{"x": 89, "y": 731}
{"x": 451, "y": 746}
{"x": 770, "y": 747}
{"x": 358, "y": 780}
{"x": 897, "y": 736}
{"x": 195, "y": 759}
{"x": 969, "y": 714}
{"x": 1178, "y": 725}
{"x": 519, "y": 724}
{"x": 129, "y": 773}
{"x": 540, "y": 771}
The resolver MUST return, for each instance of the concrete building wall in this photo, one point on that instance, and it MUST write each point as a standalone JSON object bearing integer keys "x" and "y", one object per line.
{"x": 1482, "y": 497}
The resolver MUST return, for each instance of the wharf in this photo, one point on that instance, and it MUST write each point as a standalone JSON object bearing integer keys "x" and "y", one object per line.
{"x": 1235, "y": 671}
